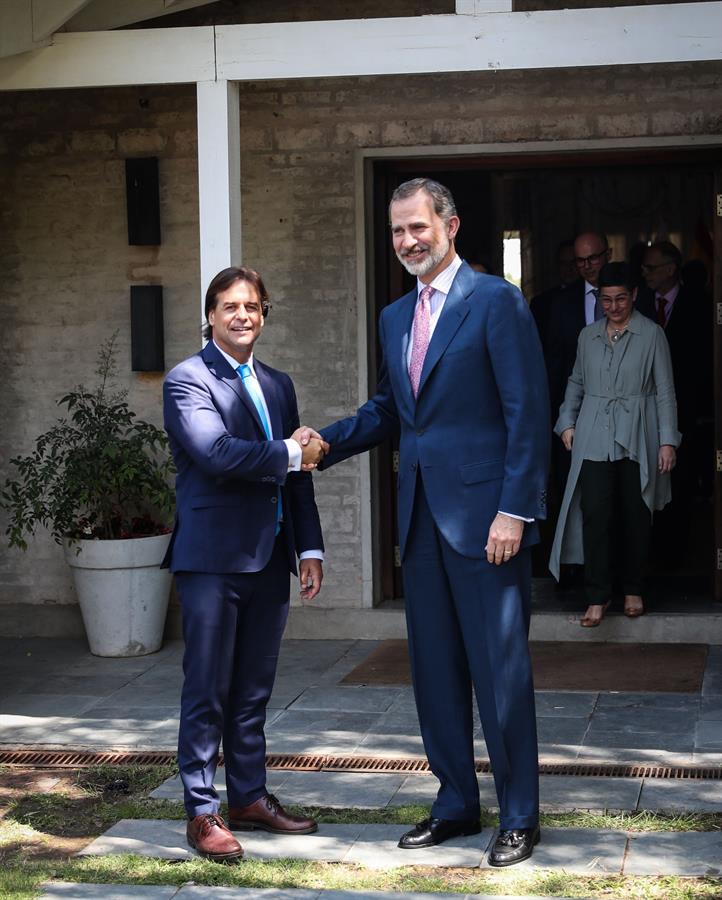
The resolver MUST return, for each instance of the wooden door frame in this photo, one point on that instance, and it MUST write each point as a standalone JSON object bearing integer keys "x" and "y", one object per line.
{"x": 529, "y": 155}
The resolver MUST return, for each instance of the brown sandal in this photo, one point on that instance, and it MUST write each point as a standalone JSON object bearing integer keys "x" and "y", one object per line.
{"x": 589, "y": 622}
{"x": 633, "y": 611}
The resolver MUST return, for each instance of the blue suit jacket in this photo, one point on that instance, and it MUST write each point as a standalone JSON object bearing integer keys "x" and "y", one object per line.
{"x": 229, "y": 474}
{"x": 479, "y": 430}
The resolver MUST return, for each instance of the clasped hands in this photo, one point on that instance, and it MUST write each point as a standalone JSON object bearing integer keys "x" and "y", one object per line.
{"x": 313, "y": 447}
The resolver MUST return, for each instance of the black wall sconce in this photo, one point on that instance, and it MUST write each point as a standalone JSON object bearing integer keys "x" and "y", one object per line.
{"x": 146, "y": 328}
{"x": 143, "y": 201}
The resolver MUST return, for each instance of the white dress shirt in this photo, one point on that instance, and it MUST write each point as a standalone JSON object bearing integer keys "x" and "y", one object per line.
{"x": 442, "y": 285}
{"x": 295, "y": 454}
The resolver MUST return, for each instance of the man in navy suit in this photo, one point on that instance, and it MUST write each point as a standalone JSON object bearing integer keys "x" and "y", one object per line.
{"x": 463, "y": 380}
{"x": 244, "y": 510}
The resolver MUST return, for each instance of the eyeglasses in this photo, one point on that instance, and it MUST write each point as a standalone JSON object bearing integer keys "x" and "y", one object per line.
{"x": 619, "y": 301}
{"x": 590, "y": 260}
{"x": 647, "y": 268}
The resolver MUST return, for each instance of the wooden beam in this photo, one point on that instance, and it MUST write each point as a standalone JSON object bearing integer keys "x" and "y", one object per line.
{"x": 107, "y": 58}
{"x": 666, "y": 33}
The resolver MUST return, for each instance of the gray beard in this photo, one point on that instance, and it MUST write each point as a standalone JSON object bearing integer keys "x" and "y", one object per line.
{"x": 431, "y": 261}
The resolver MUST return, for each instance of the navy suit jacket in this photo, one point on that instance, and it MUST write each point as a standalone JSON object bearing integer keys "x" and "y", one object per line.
{"x": 479, "y": 429}
{"x": 229, "y": 473}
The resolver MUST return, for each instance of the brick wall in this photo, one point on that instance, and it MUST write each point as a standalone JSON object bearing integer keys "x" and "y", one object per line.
{"x": 67, "y": 267}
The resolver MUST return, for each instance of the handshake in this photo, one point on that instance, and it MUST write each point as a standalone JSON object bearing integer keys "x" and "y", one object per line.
{"x": 313, "y": 447}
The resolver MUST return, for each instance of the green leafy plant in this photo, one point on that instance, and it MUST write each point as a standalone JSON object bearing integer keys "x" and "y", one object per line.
{"x": 98, "y": 473}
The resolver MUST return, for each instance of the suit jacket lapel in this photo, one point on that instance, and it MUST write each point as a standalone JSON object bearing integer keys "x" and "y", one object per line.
{"x": 398, "y": 343}
{"x": 219, "y": 366}
{"x": 456, "y": 309}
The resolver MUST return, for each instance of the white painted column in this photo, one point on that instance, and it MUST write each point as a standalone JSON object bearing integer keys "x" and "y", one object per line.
{"x": 479, "y": 7}
{"x": 219, "y": 178}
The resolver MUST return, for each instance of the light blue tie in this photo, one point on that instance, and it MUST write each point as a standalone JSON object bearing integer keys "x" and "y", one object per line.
{"x": 254, "y": 392}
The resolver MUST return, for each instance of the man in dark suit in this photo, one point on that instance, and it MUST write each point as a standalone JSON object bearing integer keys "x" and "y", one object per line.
{"x": 541, "y": 304}
{"x": 571, "y": 310}
{"x": 244, "y": 510}
{"x": 463, "y": 380}
{"x": 686, "y": 318}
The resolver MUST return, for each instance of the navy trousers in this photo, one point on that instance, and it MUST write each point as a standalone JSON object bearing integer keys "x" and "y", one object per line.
{"x": 468, "y": 623}
{"x": 232, "y": 626}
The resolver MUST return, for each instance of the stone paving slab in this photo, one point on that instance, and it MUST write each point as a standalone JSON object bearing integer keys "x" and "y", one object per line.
{"x": 376, "y": 848}
{"x": 166, "y": 839}
{"x": 584, "y": 851}
{"x": 685, "y": 795}
{"x": 692, "y": 853}
{"x": 376, "y": 791}
{"x": 71, "y": 891}
{"x": 203, "y": 892}
{"x": 580, "y": 850}
{"x": 567, "y": 792}
{"x": 172, "y": 788}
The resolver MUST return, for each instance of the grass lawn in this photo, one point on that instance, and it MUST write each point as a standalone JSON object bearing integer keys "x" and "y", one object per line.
{"x": 47, "y": 816}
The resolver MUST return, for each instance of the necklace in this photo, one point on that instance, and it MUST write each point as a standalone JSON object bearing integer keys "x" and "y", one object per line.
{"x": 617, "y": 333}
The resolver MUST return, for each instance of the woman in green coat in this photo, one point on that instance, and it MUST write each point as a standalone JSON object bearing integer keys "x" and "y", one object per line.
{"x": 619, "y": 420}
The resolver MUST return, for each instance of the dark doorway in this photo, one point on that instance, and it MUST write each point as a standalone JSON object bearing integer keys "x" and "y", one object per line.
{"x": 634, "y": 197}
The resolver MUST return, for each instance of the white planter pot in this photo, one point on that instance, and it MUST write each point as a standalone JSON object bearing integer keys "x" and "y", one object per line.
{"x": 123, "y": 593}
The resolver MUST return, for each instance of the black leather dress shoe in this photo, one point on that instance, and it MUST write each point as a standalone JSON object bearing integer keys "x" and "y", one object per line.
{"x": 435, "y": 831}
{"x": 513, "y": 845}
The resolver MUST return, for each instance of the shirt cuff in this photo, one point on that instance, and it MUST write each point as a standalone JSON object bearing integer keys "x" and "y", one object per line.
{"x": 295, "y": 455}
{"x": 512, "y": 516}
{"x": 311, "y": 554}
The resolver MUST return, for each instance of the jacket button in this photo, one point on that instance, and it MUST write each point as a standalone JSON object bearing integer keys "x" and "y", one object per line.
{"x": 413, "y": 467}
{"x": 274, "y": 499}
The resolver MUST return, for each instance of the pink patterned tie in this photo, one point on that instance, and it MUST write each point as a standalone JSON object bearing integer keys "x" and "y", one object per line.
{"x": 422, "y": 327}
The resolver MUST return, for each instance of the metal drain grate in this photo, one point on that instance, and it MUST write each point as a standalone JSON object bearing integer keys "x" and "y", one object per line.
{"x": 299, "y": 762}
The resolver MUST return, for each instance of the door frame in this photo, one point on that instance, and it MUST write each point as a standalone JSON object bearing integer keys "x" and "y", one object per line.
{"x": 533, "y": 154}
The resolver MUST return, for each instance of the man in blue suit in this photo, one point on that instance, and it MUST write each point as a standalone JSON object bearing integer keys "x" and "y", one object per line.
{"x": 463, "y": 380}
{"x": 244, "y": 510}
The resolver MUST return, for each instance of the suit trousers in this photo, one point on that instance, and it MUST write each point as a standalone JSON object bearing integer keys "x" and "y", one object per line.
{"x": 616, "y": 525}
{"x": 468, "y": 623}
{"x": 232, "y": 626}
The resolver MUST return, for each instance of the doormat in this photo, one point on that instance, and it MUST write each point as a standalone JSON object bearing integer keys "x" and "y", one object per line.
{"x": 571, "y": 666}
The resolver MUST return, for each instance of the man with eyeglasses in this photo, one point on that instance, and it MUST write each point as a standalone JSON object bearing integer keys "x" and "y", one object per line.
{"x": 572, "y": 309}
{"x": 685, "y": 316}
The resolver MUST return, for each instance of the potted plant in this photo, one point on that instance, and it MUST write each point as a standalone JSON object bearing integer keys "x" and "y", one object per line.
{"x": 99, "y": 480}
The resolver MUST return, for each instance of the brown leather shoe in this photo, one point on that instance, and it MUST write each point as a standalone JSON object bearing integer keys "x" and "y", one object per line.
{"x": 268, "y": 815}
{"x": 208, "y": 835}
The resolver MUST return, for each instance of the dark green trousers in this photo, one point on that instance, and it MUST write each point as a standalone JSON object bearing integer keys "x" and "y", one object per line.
{"x": 616, "y": 528}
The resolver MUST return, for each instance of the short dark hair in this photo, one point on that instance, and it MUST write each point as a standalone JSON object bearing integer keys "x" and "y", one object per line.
{"x": 614, "y": 274}
{"x": 441, "y": 196}
{"x": 227, "y": 278}
{"x": 669, "y": 252}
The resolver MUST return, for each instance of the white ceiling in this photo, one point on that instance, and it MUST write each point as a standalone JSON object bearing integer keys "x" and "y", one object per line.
{"x": 29, "y": 24}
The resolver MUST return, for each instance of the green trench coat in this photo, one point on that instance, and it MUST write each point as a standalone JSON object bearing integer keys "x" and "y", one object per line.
{"x": 626, "y": 408}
